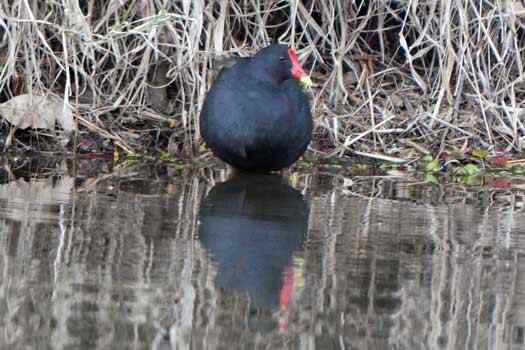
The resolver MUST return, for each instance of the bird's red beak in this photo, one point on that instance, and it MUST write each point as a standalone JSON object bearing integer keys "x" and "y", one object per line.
{"x": 298, "y": 71}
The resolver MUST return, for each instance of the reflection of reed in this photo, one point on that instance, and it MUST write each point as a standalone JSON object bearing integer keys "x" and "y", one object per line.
{"x": 377, "y": 271}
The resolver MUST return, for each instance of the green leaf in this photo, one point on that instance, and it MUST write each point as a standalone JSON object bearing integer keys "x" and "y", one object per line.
{"x": 470, "y": 169}
{"x": 480, "y": 153}
{"x": 468, "y": 180}
{"x": 361, "y": 166}
{"x": 427, "y": 158}
{"x": 518, "y": 170}
{"x": 431, "y": 179}
{"x": 433, "y": 166}
{"x": 166, "y": 157}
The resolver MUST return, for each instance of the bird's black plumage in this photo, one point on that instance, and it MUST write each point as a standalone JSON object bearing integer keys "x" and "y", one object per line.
{"x": 252, "y": 225}
{"x": 256, "y": 116}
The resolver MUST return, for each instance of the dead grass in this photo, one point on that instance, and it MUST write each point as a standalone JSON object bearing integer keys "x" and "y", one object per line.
{"x": 436, "y": 72}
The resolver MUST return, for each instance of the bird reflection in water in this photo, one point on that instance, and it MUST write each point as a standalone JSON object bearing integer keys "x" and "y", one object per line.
{"x": 251, "y": 226}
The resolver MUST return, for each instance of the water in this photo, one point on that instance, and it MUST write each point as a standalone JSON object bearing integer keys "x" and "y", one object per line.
{"x": 129, "y": 259}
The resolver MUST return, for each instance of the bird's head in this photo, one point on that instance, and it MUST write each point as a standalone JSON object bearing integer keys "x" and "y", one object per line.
{"x": 282, "y": 63}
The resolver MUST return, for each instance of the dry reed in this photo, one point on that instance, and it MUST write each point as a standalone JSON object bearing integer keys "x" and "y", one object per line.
{"x": 437, "y": 73}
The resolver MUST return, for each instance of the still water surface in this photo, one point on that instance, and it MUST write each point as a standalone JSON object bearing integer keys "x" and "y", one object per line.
{"x": 135, "y": 260}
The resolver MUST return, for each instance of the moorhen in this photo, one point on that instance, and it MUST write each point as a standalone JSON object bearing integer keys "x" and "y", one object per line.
{"x": 251, "y": 225}
{"x": 256, "y": 116}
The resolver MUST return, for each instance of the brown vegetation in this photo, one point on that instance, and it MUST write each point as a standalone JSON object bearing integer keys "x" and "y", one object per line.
{"x": 436, "y": 73}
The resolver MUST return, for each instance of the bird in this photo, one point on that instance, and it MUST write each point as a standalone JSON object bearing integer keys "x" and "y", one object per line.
{"x": 251, "y": 226}
{"x": 256, "y": 115}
